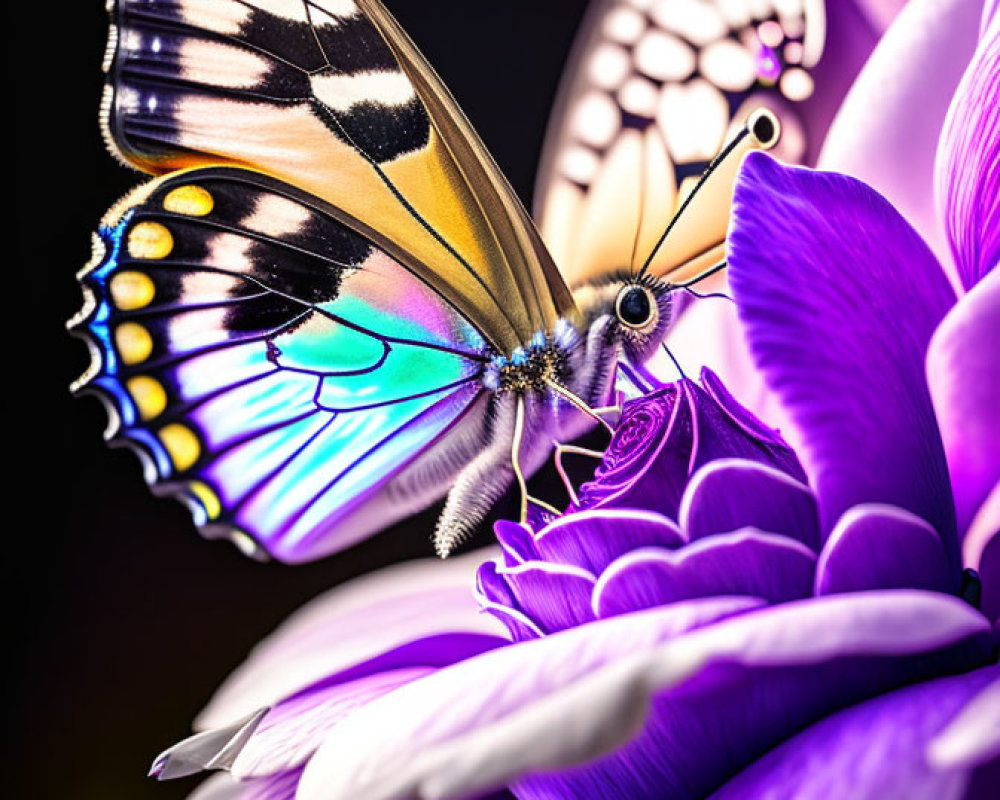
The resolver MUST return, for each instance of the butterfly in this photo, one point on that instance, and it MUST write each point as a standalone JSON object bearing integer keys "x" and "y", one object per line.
{"x": 328, "y": 308}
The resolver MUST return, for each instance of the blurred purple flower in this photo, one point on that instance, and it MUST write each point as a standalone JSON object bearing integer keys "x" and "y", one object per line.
{"x": 711, "y": 618}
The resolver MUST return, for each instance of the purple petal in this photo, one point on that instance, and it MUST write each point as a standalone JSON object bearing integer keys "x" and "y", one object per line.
{"x": 871, "y": 751}
{"x": 553, "y": 596}
{"x": 839, "y": 297}
{"x": 963, "y": 372}
{"x": 882, "y": 547}
{"x": 706, "y": 726}
{"x": 724, "y": 429}
{"x": 886, "y": 133}
{"x": 972, "y": 738}
{"x": 593, "y": 539}
{"x": 968, "y": 165}
{"x": 399, "y": 616}
{"x": 496, "y": 598}
{"x": 745, "y": 562}
{"x": 730, "y": 494}
{"x": 726, "y": 693}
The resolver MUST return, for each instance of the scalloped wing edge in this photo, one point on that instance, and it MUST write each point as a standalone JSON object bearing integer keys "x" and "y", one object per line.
{"x": 115, "y": 434}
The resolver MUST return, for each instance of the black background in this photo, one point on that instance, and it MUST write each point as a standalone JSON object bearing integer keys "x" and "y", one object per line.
{"x": 121, "y": 619}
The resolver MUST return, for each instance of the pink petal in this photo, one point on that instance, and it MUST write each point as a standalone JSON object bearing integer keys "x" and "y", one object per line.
{"x": 963, "y": 374}
{"x": 968, "y": 164}
{"x": 887, "y": 130}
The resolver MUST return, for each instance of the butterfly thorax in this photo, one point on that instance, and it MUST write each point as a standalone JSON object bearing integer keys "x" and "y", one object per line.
{"x": 546, "y": 359}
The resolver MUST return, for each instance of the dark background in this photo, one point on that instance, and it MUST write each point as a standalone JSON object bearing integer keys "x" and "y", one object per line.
{"x": 122, "y": 620}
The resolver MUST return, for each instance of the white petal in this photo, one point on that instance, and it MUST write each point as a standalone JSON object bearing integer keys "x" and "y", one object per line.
{"x": 887, "y": 130}
{"x": 351, "y": 624}
{"x": 568, "y": 698}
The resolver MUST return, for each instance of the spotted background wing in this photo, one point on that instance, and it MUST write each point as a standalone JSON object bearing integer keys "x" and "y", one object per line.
{"x": 332, "y": 97}
{"x": 653, "y": 91}
{"x": 274, "y": 368}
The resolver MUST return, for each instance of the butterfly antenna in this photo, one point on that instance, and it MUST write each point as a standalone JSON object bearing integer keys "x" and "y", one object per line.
{"x": 639, "y": 221}
{"x": 763, "y": 126}
{"x": 686, "y": 285}
{"x": 709, "y": 296}
{"x": 677, "y": 364}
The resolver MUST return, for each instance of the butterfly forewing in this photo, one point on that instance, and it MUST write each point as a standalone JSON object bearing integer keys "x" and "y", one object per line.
{"x": 275, "y": 368}
{"x": 330, "y": 96}
{"x": 654, "y": 90}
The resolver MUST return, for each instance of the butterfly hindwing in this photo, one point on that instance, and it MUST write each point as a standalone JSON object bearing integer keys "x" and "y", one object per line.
{"x": 276, "y": 369}
{"x": 332, "y": 97}
{"x": 653, "y": 91}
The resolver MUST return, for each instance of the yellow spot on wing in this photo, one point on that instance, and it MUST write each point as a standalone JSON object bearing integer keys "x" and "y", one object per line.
{"x": 131, "y": 290}
{"x": 150, "y": 240}
{"x": 134, "y": 342}
{"x": 149, "y": 396}
{"x": 208, "y": 498}
{"x": 190, "y": 200}
{"x": 182, "y": 445}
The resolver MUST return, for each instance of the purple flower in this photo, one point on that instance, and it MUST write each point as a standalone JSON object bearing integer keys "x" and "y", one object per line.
{"x": 671, "y": 433}
{"x": 712, "y": 618}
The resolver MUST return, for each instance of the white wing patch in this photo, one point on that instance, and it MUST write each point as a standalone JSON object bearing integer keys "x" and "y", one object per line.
{"x": 683, "y": 74}
{"x": 343, "y": 92}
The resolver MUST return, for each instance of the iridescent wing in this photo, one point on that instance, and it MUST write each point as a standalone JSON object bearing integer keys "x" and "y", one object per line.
{"x": 331, "y": 96}
{"x": 290, "y": 379}
{"x": 653, "y": 91}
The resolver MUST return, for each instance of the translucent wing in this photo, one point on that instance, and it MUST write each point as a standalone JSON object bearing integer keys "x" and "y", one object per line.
{"x": 291, "y": 380}
{"x": 332, "y": 97}
{"x": 653, "y": 91}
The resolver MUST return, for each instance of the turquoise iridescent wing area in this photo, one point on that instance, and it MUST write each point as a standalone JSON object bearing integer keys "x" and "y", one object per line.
{"x": 274, "y": 368}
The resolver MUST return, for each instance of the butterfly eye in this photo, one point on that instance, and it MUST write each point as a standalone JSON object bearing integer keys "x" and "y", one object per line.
{"x": 764, "y": 127}
{"x": 636, "y": 307}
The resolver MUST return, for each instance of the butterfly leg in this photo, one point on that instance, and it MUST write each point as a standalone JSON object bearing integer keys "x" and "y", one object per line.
{"x": 565, "y": 393}
{"x": 515, "y": 461}
{"x": 562, "y": 449}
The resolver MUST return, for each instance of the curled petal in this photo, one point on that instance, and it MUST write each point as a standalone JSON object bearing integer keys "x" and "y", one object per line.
{"x": 745, "y": 562}
{"x": 963, "y": 372}
{"x": 496, "y": 598}
{"x": 554, "y": 596}
{"x": 516, "y": 542}
{"x": 839, "y": 297}
{"x": 874, "y": 750}
{"x": 569, "y": 698}
{"x": 729, "y": 494}
{"x": 886, "y": 132}
{"x": 968, "y": 165}
{"x": 882, "y": 547}
{"x": 364, "y": 622}
{"x": 593, "y": 539}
